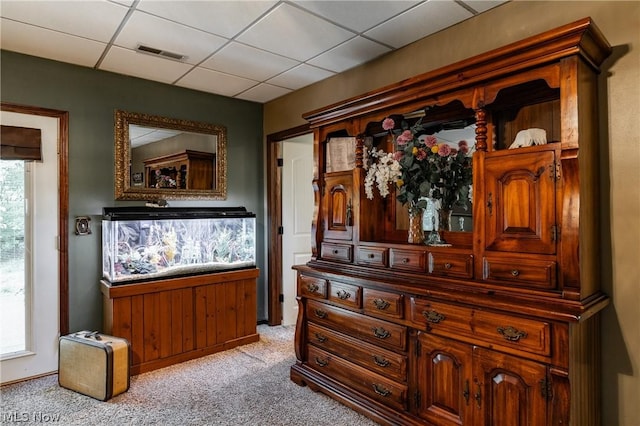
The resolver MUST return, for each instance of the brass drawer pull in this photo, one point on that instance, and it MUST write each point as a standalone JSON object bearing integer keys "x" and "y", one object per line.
{"x": 320, "y": 313}
{"x": 433, "y": 317}
{"x": 380, "y": 361}
{"x": 322, "y": 362}
{"x": 515, "y": 273}
{"x": 312, "y": 288}
{"x": 381, "y": 304}
{"x": 447, "y": 265}
{"x": 381, "y": 333}
{"x": 343, "y": 294}
{"x": 321, "y": 337}
{"x": 512, "y": 334}
{"x": 381, "y": 390}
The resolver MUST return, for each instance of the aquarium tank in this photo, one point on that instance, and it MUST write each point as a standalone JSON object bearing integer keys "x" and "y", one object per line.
{"x": 145, "y": 243}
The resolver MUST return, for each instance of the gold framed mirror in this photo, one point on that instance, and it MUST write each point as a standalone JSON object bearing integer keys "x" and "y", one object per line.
{"x": 160, "y": 158}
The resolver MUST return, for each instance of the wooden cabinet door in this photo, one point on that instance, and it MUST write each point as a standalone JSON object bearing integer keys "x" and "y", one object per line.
{"x": 520, "y": 202}
{"x": 444, "y": 381}
{"x": 338, "y": 199}
{"x": 508, "y": 391}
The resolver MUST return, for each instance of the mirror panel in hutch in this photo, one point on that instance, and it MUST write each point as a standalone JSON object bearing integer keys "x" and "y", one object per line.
{"x": 500, "y": 325}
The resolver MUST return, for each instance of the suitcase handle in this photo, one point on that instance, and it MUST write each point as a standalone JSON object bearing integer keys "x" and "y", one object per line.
{"x": 90, "y": 334}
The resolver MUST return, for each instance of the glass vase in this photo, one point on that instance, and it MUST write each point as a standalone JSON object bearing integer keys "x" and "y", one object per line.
{"x": 416, "y": 233}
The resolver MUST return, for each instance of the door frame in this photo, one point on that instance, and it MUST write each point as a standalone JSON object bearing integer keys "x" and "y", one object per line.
{"x": 63, "y": 200}
{"x": 274, "y": 219}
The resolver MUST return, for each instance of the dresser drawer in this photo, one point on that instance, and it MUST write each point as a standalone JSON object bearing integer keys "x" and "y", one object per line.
{"x": 372, "y": 256}
{"x": 451, "y": 265}
{"x": 378, "y": 332}
{"x": 382, "y": 303}
{"x": 407, "y": 260}
{"x": 520, "y": 272}
{"x": 339, "y": 252}
{"x": 345, "y": 294}
{"x": 312, "y": 287}
{"x": 358, "y": 378}
{"x": 491, "y": 327}
{"x": 373, "y": 358}
{"x": 516, "y": 332}
{"x": 441, "y": 318}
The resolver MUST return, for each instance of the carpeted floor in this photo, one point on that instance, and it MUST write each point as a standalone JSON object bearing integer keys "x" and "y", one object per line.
{"x": 248, "y": 385}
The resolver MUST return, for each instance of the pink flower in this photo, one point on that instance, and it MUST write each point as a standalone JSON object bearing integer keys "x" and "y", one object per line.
{"x": 444, "y": 150}
{"x": 398, "y": 155}
{"x": 388, "y": 124}
{"x": 430, "y": 141}
{"x": 464, "y": 149}
{"x": 421, "y": 154}
{"x": 402, "y": 140}
{"x": 463, "y": 143}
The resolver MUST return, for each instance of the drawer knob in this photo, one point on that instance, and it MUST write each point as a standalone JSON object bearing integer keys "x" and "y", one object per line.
{"x": 371, "y": 255}
{"x": 381, "y": 304}
{"x": 381, "y": 333}
{"x": 320, "y": 313}
{"x": 322, "y": 362}
{"x": 447, "y": 265}
{"x": 335, "y": 251}
{"x": 380, "y": 361}
{"x": 343, "y": 294}
{"x": 405, "y": 260}
{"x": 380, "y": 390}
{"x": 433, "y": 317}
{"x": 515, "y": 273}
{"x": 321, "y": 337}
{"x": 512, "y": 334}
{"x": 312, "y": 287}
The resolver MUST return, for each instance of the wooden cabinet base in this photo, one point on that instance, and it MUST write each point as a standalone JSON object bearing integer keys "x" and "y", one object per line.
{"x": 177, "y": 319}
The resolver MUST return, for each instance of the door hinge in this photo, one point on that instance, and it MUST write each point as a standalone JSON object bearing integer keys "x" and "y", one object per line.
{"x": 417, "y": 348}
{"x": 281, "y": 298}
{"x": 280, "y": 230}
{"x": 555, "y": 233}
{"x": 554, "y": 171}
{"x": 416, "y": 399}
{"x": 545, "y": 388}
{"x": 280, "y": 162}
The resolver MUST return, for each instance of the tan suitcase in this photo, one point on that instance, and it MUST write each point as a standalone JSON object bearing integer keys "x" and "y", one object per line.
{"x": 94, "y": 364}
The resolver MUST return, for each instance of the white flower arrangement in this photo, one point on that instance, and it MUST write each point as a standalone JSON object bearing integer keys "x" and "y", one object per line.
{"x": 381, "y": 172}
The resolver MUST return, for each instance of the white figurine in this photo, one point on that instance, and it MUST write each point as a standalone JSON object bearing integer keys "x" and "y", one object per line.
{"x": 529, "y": 137}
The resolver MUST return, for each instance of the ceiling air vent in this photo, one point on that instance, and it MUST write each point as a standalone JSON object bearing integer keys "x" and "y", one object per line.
{"x": 159, "y": 52}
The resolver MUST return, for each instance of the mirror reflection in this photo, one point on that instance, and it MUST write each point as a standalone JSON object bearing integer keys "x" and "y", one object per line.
{"x": 164, "y": 158}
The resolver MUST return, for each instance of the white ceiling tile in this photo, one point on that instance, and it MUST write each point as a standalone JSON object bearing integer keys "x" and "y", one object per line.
{"x": 215, "y": 82}
{"x": 300, "y": 76}
{"x": 93, "y": 19}
{"x": 224, "y": 18}
{"x": 290, "y": 32}
{"x": 483, "y": 5}
{"x": 142, "y": 28}
{"x": 349, "y": 54}
{"x": 36, "y": 41}
{"x": 246, "y": 61}
{"x": 263, "y": 93}
{"x": 427, "y": 18}
{"x": 359, "y": 15}
{"x": 129, "y": 62}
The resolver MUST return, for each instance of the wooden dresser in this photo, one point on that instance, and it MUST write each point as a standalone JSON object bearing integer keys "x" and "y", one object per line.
{"x": 502, "y": 327}
{"x": 188, "y": 169}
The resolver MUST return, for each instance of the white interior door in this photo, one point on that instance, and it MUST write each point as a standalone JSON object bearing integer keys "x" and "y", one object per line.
{"x": 297, "y": 214}
{"x": 39, "y": 315}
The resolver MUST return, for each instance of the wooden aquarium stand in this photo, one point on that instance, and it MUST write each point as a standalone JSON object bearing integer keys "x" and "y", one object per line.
{"x": 172, "y": 320}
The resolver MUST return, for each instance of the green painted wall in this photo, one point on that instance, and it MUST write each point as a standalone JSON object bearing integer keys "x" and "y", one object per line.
{"x": 91, "y": 97}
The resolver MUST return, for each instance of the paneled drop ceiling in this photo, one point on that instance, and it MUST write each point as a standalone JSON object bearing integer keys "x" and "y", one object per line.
{"x": 252, "y": 50}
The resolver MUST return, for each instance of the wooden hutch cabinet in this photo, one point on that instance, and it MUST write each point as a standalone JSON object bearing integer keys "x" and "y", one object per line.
{"x": 187, "y": 170}
{"x": 502, "y": 326}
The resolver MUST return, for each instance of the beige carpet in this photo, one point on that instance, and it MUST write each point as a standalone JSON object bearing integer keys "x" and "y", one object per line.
{"x": 248, "y": 385}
